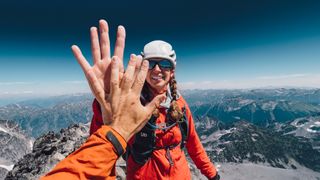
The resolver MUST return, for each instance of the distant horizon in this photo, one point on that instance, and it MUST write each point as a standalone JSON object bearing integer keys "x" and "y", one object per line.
{"x": 6, "y": 100}
{"x": 304, "y": 81}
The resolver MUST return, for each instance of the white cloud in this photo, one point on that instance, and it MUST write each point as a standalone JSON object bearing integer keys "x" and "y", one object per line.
{"x": 287, "y": 76}
{"x": 27, "y": 92}
{"x": 288, "y": 80}
{"x": 74, "y": 82}
{"x": 15, "y": 83}
{"x": 16, "y": 92}
{"x": 47, "y": 88}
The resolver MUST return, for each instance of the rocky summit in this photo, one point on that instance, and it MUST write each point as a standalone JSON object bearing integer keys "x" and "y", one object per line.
{"x": 47, "y": 151}
{"x": 52, "y": 147}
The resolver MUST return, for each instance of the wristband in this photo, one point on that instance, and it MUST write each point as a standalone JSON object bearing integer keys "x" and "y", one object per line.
{"x": 115, "y": 142}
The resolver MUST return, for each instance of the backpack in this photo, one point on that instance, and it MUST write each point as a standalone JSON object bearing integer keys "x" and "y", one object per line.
{"x": 145, "y": 140}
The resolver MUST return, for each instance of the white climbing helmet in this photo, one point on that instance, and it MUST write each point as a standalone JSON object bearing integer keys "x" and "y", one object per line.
{"x": 159, "y": 50}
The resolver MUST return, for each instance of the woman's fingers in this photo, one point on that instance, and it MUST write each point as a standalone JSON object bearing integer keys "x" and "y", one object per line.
{"x": 155, "y": 103}
{"x": 96, "y": 87}
{"x": 141, "y": 77}
{"x": 138, "y": 65}
{"x": 128, "y": 77}
{"x": 104, "y": 39}
{"x": 81, "y": 59}
{"x": 120, "y": 44}
{"x": 114, "y": 77}
{"x": 95, "y": 46}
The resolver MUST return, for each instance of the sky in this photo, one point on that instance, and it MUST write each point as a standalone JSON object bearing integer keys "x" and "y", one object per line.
{"x": 228, "y": 44}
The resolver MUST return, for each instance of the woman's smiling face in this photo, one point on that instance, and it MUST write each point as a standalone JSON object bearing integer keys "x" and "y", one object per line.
{"x": 158, "y": 78}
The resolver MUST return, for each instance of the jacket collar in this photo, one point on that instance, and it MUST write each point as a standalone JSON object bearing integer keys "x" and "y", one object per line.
{"x": 165, "y": 104}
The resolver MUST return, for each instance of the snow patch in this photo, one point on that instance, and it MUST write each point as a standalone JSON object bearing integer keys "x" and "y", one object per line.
{"x": 259, "y": 155}
{"x": 245, "y": 102}
{"x": 218, "y": 166}
{"x": 271, "y": 105}
{"x": 31, "y": 144}
{"x": 310, "y": 130}
{"x": 203, "y": 137}
{"x": 4, "y": 130}
{"x": 18, "y": 105}
{"x": 255, "y": 135}
{"x": 9, "y": 168}
{"x": 219, "y": 150}
{"x": 317, "y": 123}
{"x": 229, "y": 130}
{"x": 233, "y": 109}
{"x": 226, "y": 142}
{"x": 216, "y": 135}
{"x": 300, "y": 126}
{"x": 253, "y": 139}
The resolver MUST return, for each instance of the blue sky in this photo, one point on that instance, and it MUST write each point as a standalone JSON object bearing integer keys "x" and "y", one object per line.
{"x": 219, "y": 44}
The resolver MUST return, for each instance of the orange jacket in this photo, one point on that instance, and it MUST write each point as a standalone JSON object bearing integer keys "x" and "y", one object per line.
{"x": 95, "y": 159}
{"x": 158, "y": 166}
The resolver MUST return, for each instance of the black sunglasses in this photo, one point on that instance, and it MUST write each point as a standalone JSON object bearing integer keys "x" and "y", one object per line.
{"x": 163, "y": 64}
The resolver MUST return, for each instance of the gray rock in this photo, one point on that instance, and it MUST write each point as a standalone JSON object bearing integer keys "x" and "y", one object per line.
{"x": 14, "y": 144}
{"x": 48, "y": 150}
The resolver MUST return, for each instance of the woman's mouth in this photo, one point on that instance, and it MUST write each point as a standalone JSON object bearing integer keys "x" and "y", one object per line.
{"x": 156, "y": 78}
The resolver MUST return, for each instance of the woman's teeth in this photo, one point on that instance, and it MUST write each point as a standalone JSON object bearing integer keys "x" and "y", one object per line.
{"x": 156, "y": 77}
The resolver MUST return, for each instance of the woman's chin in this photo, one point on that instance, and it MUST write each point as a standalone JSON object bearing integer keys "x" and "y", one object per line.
{"x": 158, "y": 83}
{"x": 159, "y": 87}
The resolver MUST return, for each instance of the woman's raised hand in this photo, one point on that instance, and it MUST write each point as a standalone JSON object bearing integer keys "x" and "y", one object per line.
{"x": 98, "y": 75}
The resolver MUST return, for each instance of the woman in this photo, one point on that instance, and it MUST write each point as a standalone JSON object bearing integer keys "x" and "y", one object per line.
{"x": 156, "y": 152}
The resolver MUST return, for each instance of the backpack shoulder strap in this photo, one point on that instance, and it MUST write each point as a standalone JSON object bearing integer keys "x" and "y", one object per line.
{"x": 184, "y": 128}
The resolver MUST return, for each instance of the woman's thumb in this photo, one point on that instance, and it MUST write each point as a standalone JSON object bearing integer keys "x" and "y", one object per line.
{"x": 155, "y": 103}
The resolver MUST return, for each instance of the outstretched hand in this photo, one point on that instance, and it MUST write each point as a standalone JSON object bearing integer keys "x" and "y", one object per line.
{"x": 98, "y": 75}
{"x": 128, "y": 114}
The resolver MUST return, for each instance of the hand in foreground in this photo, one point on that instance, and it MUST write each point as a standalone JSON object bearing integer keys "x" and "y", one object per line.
{"x": 128, "y": 114}
{"x": 98, "y": 75}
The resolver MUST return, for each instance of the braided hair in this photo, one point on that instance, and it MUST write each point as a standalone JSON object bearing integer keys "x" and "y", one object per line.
{"x": 174, "y": 111}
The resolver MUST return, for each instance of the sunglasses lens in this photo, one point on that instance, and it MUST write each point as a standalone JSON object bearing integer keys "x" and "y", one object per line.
{"x": 152, "y": 64}
{"x": 165, "y": 64}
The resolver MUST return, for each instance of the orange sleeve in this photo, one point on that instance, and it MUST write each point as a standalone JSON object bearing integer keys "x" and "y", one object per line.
{"x": 95, "y": 159}
{"x": 196, "y": 150}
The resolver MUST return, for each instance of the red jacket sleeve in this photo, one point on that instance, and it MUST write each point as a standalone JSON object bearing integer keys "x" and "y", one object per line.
{"x": 96, "y": 121}
{"x": 196, "y": 150}
{"x": 95, "y": 159}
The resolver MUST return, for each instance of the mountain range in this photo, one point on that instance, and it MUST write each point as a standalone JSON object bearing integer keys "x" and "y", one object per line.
{"x": 274, "y": 130}
{"x": 39, "y": 116}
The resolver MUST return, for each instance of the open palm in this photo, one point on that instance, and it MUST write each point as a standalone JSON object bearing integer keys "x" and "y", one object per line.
{"x": 98, "y": 75}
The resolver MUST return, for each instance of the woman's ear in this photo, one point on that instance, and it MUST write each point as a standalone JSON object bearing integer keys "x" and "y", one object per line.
{"x": 172, "y": 73}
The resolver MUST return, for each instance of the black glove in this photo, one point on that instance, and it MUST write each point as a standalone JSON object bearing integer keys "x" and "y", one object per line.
{"x": 216, "y": 177}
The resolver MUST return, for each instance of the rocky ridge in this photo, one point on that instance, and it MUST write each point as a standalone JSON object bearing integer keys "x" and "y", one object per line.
{"x": 14, "y": 144}
{"x": 248, "y": 143}
{"x": 47, "y": 151}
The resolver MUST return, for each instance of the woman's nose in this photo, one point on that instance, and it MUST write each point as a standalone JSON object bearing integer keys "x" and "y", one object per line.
{"x": 157, "y": 68}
